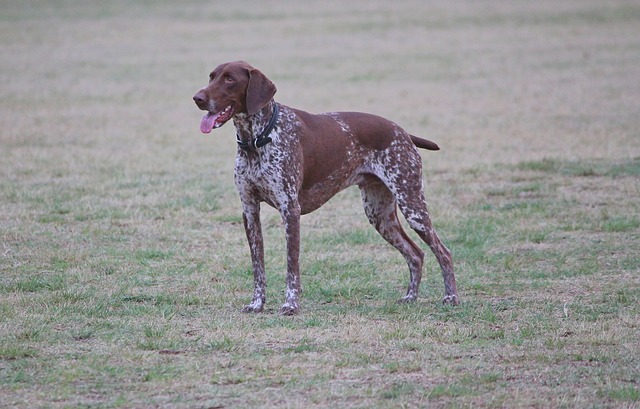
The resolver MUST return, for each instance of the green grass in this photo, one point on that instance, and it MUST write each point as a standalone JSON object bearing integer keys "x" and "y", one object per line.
{"x": 123, "y": 260}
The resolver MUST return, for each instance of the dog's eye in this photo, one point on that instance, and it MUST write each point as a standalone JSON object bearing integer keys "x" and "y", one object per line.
{"x": 229, "y": 79}
{"x": 211, "y": 76}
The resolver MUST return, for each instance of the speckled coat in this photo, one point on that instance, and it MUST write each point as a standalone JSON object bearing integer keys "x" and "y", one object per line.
{"x": 311, "y": 158}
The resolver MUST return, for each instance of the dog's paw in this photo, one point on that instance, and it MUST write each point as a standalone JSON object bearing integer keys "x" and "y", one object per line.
{"x": 289, "y": 309}
{"x": 451, "y": 299}
{"x": 409, "y": 298}
{"x": 255, "y": 306}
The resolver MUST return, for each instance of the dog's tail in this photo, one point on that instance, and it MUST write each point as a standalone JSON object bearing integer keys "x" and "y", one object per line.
{"x": 424, "y": 143}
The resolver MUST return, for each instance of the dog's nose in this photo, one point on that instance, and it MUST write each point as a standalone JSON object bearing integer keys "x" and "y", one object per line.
{"x": 200, "y": 99}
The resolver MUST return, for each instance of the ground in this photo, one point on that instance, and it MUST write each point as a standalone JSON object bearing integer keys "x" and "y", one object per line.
{"x": 123, "y": 262}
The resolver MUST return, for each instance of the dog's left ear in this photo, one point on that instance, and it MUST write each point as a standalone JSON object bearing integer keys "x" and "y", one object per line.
{"x": 259, "y": 91}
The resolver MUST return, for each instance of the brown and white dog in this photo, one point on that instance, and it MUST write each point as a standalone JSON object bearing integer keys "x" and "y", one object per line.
{"x": 296, "y": 161}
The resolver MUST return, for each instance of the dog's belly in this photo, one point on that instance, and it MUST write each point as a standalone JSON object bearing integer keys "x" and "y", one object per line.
{"x": 269, "y": 188}
{"x": 315, "y": 196}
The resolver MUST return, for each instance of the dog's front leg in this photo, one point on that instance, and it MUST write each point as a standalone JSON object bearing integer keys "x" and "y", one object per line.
{"x": 291, "y": 218}
{"x": 253, "y": 229}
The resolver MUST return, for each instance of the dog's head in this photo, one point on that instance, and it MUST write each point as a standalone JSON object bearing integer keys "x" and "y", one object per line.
{"x": 234, "y": 87}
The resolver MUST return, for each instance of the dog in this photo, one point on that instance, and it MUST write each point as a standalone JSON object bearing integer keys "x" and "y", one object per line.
{"x": 296, "y": 161}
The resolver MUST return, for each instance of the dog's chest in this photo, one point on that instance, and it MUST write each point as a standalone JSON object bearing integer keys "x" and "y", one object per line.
{"x": 260, "y": 170}
{"x": 265, "y": 173}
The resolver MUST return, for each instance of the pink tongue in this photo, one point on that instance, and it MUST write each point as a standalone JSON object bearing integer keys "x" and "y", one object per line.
{"x": 207, "y": 122}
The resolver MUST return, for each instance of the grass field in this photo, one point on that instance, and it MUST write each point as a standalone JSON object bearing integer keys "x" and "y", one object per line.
{"x": 123, "y": 262}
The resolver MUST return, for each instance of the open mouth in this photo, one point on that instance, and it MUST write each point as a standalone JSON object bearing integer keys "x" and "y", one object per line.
{"x": 212, "y": 121}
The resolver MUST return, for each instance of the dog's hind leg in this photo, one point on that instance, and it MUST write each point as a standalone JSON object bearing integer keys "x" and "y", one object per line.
{"x": 414, "y": 208}
{"x": 380, "y": 207}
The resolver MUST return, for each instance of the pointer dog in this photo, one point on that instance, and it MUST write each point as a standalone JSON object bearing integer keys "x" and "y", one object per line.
{"x": 296, "y": 161}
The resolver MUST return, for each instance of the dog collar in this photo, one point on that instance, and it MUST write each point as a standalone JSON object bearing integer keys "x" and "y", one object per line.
{"x": 262, "y": 139}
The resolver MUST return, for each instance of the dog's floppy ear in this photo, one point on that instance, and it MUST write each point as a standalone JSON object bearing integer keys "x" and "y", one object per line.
{"x": 259, "y": 91}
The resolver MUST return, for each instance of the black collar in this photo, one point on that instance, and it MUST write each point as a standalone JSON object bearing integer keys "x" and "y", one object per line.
{"x": 262, "y": 139}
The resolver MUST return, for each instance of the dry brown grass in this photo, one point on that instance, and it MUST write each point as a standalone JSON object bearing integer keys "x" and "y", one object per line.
{"x": 123, "y": 263}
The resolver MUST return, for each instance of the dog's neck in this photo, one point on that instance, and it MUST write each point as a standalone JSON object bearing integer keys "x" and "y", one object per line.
{"x": 252, "y": 131}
